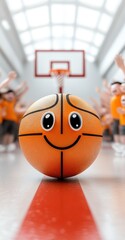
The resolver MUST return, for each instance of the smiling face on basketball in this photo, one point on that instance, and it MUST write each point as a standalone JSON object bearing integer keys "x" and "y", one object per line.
{"x": 60, "y": 135}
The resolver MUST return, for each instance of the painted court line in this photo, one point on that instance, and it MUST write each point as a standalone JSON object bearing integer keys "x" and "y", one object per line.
{"x": 59, "y": 211}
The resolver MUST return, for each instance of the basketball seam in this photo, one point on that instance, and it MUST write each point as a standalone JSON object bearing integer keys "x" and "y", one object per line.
{"x": 92, "y": 135}
{"x": 57, "y": 99}
{"x": 68, "y": 100}
{"x": 29, "y": 134}
{"x": 61, "y": 113}
{"x": 39, "y": 134}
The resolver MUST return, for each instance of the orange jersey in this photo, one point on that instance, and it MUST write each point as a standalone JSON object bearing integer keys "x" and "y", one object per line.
{"x": 10, "y": 113}
{"x": 114, "y": 104}
{"x": 122, "y": 117}
{"x": 1, "y": 118}
{"x": 19, "y": 116}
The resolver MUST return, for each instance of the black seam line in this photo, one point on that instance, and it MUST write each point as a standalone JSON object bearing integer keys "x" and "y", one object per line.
{"x": 57, "y": 99}
{"x": 68, "y": 100}
{"x": 61, "y": 165}
{"x": 62, "y": 148}
{"x": 61, "y": 113}
{"x": 30, "y": 134}
{"x": 92, "y": 135}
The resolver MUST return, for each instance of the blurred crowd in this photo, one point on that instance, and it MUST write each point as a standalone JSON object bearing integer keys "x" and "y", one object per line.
{"x": 111, "y": 109}
{"x": 11, "y": 112}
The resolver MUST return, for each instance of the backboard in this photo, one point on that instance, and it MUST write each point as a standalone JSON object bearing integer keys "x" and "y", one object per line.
{"x": 72, "y": 60}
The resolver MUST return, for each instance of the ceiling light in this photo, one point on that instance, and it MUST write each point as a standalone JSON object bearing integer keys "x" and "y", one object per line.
{"x": 40, "y": 33}
{"x": 15, "y": 6}
{"x": 93, "y": 3}
{"x": 112, "y": 5}
{"x": 5, "y": 24}
{"x": 105, "y": 22}
{"x": 84, "y": 34}
{"x": 62, "y": 31}
{"x": 87, "y": 17}
{"x": 98, "y": 39}
{"x": 29, "y": 3}
{"x": 81, "y": 45}
{"x": 20, "y": 21}
{"x": 64, "y": 44}
{"x": 57, "y": 44}
{"x": 43, "y": 45}
{"x": 38, "y": 16}
{"x": 25, "y": 37}
{"x": 31, "y": 57}
{"x": 29, "y": 49}
{"x": 90, "y": 58}
{"x": 93, "y": 51}
{"x": 67, "y": 44}
{"x": 63, "y": 13}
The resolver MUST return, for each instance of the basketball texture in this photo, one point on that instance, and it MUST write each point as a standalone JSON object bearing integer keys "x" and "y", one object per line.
{"x": 60, "y": 135}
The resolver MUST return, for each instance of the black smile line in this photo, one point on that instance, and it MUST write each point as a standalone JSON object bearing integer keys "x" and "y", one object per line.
{"x": 62, "y": 148}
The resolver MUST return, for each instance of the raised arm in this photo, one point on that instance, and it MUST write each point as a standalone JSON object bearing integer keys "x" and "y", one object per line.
{"x": 20, "y": 87}
{"x": 11, "y": 76}
{"x": 22, "y": 91}
{"x": 20, "y": 107}
{"x": 96, "y": 105}
{"x": 106, "y": 86}
{"x": 120, "y": 63}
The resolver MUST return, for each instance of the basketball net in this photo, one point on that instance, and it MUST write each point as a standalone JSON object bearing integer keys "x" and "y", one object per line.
{"x": 59, "y": 74}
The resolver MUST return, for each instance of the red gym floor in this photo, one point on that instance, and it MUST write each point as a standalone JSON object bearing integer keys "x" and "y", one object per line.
{"x": 90, "y": 206}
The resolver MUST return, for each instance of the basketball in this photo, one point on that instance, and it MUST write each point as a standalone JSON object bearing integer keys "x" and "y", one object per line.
{"x": 60, "y": 135}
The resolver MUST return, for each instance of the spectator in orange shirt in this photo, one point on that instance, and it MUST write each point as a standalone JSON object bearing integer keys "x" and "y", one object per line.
{"x": 10, "y": 126}
{"x": 11, "y": 76}
{"x": 1, "y": 113}
{"x": 121, "y": 111}
{"x": 115, "y": 103}
{"x": 106, "y": 121}
{"x": 10, "y": 121}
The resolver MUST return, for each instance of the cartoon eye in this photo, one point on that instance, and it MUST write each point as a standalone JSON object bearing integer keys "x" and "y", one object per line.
{"x": 48, "y": 121}
{"x": 75, "y": 121}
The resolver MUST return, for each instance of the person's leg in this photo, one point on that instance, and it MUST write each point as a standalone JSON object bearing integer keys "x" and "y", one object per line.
{"x": 122, "y": 134}
{"x": 8, "y": 137}
{"x": 2, "y": 148}
{"x": 116, "y": 137}
{"x": 122, "y": 139}
{"x": 115, "y": 130}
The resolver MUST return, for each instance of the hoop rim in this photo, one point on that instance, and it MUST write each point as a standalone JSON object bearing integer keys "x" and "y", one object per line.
{"x": 59, "y": 71}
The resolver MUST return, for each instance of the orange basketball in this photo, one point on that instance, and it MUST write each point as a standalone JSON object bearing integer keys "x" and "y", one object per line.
{"x": 60, "y": 135}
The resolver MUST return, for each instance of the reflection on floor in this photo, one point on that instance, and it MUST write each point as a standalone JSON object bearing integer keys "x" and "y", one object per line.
{"x": 103, "y": 184}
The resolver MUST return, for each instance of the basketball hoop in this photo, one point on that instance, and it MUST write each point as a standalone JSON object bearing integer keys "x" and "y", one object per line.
{"x": 59, "y": 74}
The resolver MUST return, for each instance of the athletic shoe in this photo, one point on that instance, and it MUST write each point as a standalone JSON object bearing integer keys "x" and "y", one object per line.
{"x": 10, "y": 147}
